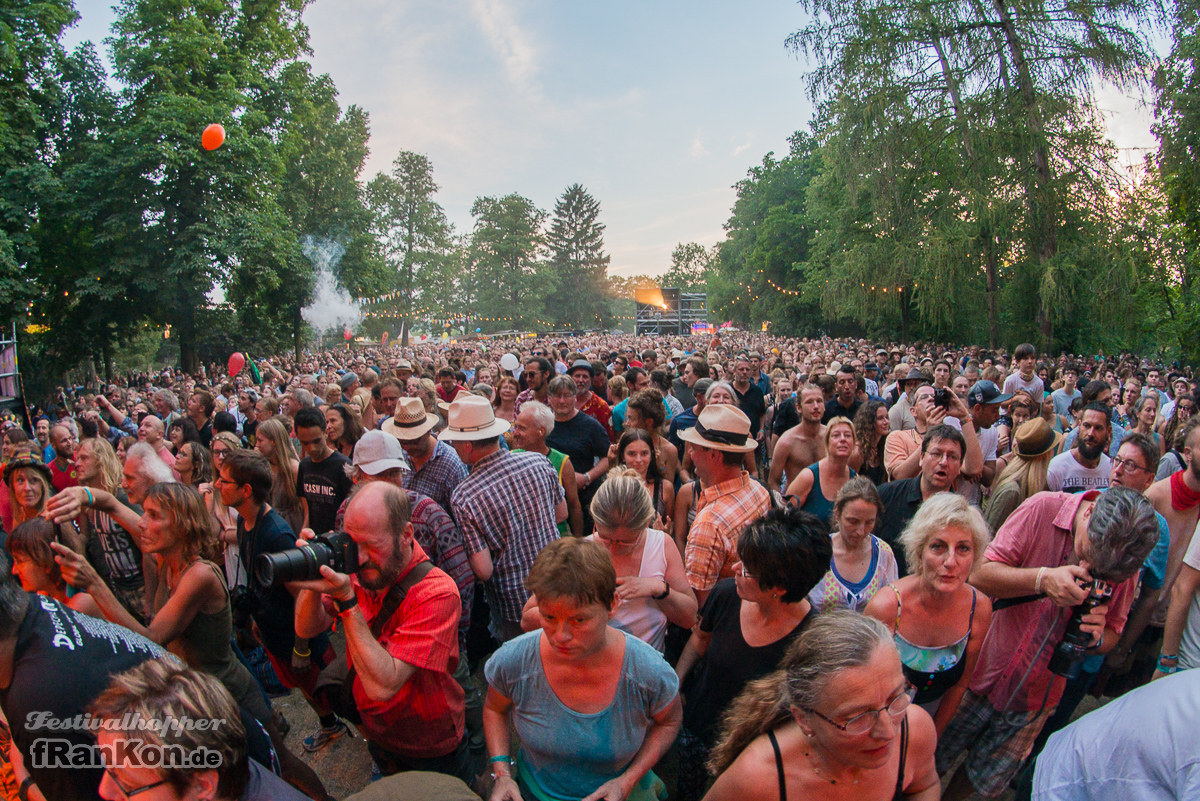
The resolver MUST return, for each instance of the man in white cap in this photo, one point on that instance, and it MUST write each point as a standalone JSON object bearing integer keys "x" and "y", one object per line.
{"x": 507, "y": 508}
{"x": 730, "y": 500}
{"x": 435, "y": 468}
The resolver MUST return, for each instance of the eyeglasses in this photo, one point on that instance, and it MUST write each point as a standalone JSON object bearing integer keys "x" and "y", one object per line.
{"x": 136, "y": 791}
{"x": 1128, "y": 464}
{"x": 863, "y": 723}
{"x": 744, "y": 573}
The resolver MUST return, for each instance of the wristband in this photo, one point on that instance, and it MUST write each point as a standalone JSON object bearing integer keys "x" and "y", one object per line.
{"x": 501, "y": 758}
{"x": 345, "y": 606}
{"x": 23, "y": 790}
{"x": 1037, "y": 584}
{"x": 1167, "y": 658}
{"x": 304, "y": 655}
{"x": 91, "y": 500}
{"x": 666, "y": 591}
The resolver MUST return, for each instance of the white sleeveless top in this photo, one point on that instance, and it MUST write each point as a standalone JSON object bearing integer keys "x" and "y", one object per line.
{"x": 642, "y": 617}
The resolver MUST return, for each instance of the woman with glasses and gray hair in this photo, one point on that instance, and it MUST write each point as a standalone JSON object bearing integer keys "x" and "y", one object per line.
{"x": 836, "y": 720}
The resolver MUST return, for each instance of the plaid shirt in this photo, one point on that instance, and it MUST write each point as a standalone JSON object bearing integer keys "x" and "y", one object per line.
{"x": 725, "y": 509}
{"x": 437, "y": 478}
{"x": 524, "y": 396}
{"x": 506, "y": 506}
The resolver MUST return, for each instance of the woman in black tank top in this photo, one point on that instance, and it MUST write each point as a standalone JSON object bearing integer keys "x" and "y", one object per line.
{"x": 835, "y": 721}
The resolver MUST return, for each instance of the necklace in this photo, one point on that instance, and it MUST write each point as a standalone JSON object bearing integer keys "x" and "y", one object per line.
{"x": 818, "y": 772}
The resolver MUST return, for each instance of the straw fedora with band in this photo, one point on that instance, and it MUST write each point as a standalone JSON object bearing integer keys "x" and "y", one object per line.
{"x": 410, "y": 420}
{"x": 722, "y": 428}
{"x": 471, "y": 418}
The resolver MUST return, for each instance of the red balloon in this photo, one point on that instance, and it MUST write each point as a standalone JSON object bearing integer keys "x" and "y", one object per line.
{"x": 236, "y": 362}
{"x": 213, "y": 137}
{"x": 347, "y": 334}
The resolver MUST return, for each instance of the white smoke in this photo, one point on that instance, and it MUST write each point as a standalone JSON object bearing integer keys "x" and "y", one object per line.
{"x": 332, "y": 306}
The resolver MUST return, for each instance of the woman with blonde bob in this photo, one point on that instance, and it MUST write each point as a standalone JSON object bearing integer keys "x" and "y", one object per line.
{"x": 837, "y": 713}
{"x": 944, "y": 542}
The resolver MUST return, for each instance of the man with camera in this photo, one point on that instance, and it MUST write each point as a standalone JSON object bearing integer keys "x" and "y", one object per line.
{"x": 244, "y": 482}
{"x": 400, "y": 616}
{"x": 1065, "y": 570}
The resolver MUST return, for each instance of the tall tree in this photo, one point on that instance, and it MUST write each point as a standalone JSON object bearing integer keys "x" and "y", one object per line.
{"x": 759, "y": 273}
{"x": 411, "y": 228}
{"x": 690, "y": 263}
{"x": 507, "y": 281}
{"x": 1177, "y": 124}
{"x": 191, "y": 216}
{"x": 576, "y": 246}
{"x": 1009, "y": 84}
{"x": 31, "y": 56}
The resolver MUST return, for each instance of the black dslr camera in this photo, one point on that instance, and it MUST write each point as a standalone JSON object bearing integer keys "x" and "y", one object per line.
{"x": 335, "y": 549}
{"x": 1071, "y": 651}
{"x": 941, "y": 398}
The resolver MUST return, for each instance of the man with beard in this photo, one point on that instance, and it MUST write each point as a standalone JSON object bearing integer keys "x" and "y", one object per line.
{"x": 802, "y": 445}
{"x": 537, "y": 375}
{"x": 400, "y": 617}
{"x": 1086, "y": 466}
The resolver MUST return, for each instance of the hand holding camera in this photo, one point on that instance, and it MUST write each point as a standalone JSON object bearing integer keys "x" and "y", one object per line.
{"x": 321, "y": 563}
{"x": 1063, "y": 584}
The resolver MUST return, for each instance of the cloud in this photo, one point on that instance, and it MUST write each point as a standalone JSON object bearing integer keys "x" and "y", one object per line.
{"x": 497, "y": 20}
{"x": 743, "y": 147}
{"x": 696, "y": 149}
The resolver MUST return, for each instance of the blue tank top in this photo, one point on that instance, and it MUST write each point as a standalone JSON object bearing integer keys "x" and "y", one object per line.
{"x": 816, "y": 503}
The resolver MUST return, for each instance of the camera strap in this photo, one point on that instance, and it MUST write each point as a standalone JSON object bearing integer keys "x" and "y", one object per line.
{"x": 396, "y": 595}
{"x": 1005, "y": 603}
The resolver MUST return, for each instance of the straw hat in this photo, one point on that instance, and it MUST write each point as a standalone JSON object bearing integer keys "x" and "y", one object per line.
{"x": 471, "y": 418}
{"x": 410, "y": 420}
{"x": 722, "y": 428}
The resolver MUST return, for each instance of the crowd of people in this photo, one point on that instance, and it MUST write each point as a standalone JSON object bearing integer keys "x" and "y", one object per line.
{"x": 614, "y": 567}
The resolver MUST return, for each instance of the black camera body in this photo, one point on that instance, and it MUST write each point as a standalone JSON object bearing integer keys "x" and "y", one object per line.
{"x": 1073, "y": 649}
{"x": 941, "y": 397}
{"x": 335, "y": 549}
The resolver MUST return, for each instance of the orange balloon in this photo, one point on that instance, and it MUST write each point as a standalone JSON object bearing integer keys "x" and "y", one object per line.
{"x": 213, "y": 137}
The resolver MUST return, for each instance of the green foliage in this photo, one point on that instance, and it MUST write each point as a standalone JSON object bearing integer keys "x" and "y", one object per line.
{"x": 507, "y": 280}
{"x": 411, "y": 231}
{"x": 691, "y": 264}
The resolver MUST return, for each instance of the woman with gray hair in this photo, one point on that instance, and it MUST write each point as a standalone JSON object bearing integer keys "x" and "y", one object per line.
{"x": 837, "y": 712}
{"x": 944, "y": 542}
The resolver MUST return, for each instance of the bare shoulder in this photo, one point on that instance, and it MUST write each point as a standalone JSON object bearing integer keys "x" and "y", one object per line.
{"x": 751, "y": 775}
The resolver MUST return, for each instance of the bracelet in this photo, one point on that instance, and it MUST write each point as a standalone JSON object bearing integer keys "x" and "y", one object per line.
{"x": 345, "y": 606}
{"x": 23, "y": 790}
{"x": 501, "y": 758}
{"x": 304, "y": 655}
{"x": 1037, "y": 584}
{"x": 91, "y": 500}
{"x": 666, "y": 591}
{"x": 1168, "y": 670}
{"x": 1167, "y": 658}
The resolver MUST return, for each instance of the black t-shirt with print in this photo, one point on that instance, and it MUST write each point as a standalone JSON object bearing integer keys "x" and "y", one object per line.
{"x": 62, "y": 661}
{"x": 324, "y": 485}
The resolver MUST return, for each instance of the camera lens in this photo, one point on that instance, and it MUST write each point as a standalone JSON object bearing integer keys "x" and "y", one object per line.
{"x": 297, "y": 564}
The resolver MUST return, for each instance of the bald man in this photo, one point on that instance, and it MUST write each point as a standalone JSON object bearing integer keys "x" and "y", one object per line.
{"x": 151, "y": 432}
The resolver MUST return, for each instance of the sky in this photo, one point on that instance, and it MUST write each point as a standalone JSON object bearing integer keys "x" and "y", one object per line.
{"x": 657, "y": 107}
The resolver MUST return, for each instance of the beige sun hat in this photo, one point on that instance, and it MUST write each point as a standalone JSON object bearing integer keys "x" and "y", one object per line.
{"x": 410, "y": 420}
{"x": 723, "y": 428}
{"x": 471, "y": 418}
